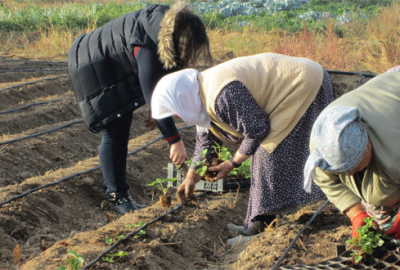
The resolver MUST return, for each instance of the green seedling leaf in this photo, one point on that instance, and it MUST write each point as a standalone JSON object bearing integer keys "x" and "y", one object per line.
{"x": 108, "y": 240}
{"x": 161, "y": 182}
{"x": 75, "y": 261}
{"x": 141, "y": 223}
{"x": 120, "y": 236}
{"x": 120, "y": 254}
{"x": 368, "y": 239}
{"x": 108, "y": 259}
{"x": 358, "y": 258}
{"x": 111, "y": 257}
{"x": 141, "y": 233}
{"x": 202, "y": 170}
{"x": 203, "y": 152}
{"x": 62, "y": 267}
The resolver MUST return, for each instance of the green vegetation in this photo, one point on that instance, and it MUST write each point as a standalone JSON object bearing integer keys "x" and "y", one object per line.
{"x": 112, "y": 257}
{"x": 68, "y": 16}
{"x": 160, "y": 184}
{"x": 129, "y": 226}
{"x": 75, "y": 261}
{"x": 79, "y": 16}
{"x": 141, "y": 233}
{"x": 224, "y": 155}
{"x": 367, "y": 241}
{"x": 109, "y": 240}
{"x": 45, "y": 30}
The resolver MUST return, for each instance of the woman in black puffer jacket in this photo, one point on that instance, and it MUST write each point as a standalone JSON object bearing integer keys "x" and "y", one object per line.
{"x": 114, "y": 70}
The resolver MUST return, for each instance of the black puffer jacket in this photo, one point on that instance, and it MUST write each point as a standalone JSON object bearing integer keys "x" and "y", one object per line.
{"x": 103, "y": 69}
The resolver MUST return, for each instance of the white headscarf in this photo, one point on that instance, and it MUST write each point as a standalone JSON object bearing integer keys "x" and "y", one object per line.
{"x": 178, "y": 94}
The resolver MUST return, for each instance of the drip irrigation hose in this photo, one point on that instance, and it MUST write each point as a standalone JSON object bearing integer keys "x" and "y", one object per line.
{"x": 32, "y": 61}
{"x": 80, "y": 173}
{"x": 41, "y": 133}
{"x": 298, "y": 236}
{"x": 34, "y": 70}
{"x": 34, "y": 104}
{"x": 351, "y": 73}
{"x": 32, "y": 67}
{"x": 135, "y": 232}
{"x": 28, "y": 83}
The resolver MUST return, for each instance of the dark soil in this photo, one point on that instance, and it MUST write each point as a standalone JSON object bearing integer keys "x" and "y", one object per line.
{"x": 165, "y": 200}
{"x": 208, "y": 175}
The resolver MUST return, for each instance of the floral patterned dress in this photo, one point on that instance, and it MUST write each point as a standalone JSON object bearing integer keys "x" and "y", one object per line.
{"x": 276, "y": 178}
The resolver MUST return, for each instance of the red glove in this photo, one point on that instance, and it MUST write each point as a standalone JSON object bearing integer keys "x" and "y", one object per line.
{"x": 357, "y": 222}
{"x": 395, "y": 229}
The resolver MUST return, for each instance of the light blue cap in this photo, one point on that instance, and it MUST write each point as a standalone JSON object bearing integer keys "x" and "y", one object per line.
{"x": 340, "y": 142}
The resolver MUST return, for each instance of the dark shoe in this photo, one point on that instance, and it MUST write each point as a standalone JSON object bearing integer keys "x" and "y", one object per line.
{"x": 122, "y": 202}
{"x": 235, "y": 228}
{"x": 258, "y": 227}
{"x": 259, "y": 224}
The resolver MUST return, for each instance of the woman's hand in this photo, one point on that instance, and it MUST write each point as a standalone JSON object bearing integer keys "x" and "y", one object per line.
{"x": 186, "y": 189}
{"x": 223, "y": 170}
{"x": 356, "y": 213}
{"x": 226, "y": 167}
{"x": 177, "y": 153}
{"x": 150, "y": 122}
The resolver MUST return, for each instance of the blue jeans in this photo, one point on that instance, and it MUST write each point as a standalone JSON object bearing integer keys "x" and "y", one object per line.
{"x": 113, "y": 154}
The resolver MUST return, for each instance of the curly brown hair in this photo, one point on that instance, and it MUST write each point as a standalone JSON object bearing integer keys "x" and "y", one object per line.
{"x": 183, "y": 38}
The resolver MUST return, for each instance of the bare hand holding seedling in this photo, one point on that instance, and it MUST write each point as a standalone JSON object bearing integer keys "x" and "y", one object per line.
{"x": 223, "y": 170}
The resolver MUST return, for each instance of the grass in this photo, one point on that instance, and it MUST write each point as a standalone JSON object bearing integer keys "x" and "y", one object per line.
{"x": 365, "y": 45}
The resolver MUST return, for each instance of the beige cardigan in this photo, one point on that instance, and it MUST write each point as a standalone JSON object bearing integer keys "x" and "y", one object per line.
{"x": 379, "y": 103}
{"x": 283, "y": 86}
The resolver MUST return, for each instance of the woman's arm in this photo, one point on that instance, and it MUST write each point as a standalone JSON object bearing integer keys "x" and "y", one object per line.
{"x": 237, "y": 107}
{"x": 150, "y": 72}
{"x": 204, "y": 140}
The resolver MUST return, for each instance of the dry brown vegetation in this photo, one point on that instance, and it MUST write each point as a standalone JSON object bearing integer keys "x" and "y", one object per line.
{"x": 372, "y": 45}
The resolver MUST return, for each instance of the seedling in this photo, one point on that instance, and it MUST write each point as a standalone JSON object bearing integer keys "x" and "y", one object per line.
{"x": 160, "y": 182}
{"x": 75, "y": 261}
{"x": 111, "y": 257}
{"x": 141, "y": 233}
{"x": 165, "y": 199}
{"x": 110, "y": 241}
{"x": 223, "y": 155}
{"x": 368, "y": 239}
{"x": 129, "y": 226}
{"x": 202, "y": 165}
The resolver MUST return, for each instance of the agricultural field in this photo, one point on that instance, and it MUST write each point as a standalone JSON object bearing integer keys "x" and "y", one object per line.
{"x": 52, "y": 209}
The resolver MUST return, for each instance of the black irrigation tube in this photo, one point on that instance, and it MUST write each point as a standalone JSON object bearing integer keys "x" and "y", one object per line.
{"x": 298, "y": 236}
{"x": 80, "y": 173}
{"x": 34, "y": 104}
{"x": 47, "y": 79}
{"x": 33, "y": 70}
{"x": 135, "y": 232}
{"x": 31, "y": 61}
{"x": 41, "y": 133}
{"x": 33, "y": 67}
{"x": 351, "y": 73}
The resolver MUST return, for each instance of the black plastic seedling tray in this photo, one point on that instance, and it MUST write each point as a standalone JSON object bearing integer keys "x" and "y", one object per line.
{"x": 387, "y": 257}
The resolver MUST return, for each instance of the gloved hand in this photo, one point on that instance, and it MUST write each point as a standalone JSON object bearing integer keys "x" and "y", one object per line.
{"x": 395, "y": 228}
{"x": 357, "y": 222}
